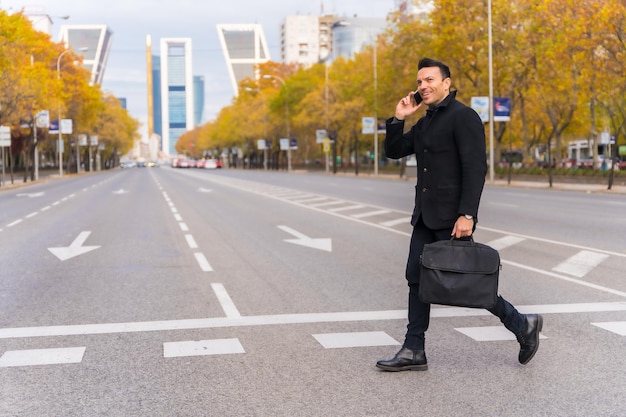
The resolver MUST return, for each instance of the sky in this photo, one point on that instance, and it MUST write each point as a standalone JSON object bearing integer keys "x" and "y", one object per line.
{"x": 131, "y": 20}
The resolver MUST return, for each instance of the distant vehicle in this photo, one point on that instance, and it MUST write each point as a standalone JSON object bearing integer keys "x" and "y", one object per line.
{"x": 127, "y": 164}
{"x": 411, "y": 161}
{"x": 210, "y": 164}
{"x": 183, "y": 163}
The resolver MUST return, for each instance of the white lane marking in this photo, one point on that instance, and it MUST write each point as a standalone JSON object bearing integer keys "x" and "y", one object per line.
{"x": 618, "y": 327}
{"x": 221, "y": 322}
{"x": 370, "y": 214}
{"x": 46, "y": 208}
{"x": 505, "y": 242}
{"x": 202, "y": 348}
{"x": 554, "y": 242}
{"x": 178, "y": 217}
{"x": 32, "y": 215}
{"x": 41, "y": 357}
{"x": 355, "y": 339}
{"x": 183, "y": 227}
{"x": 581, "y": 263}
{"x": 564, "y": 278}
{"x": 174, "y": 209}
{"x": 18, "y": 221}
{"x": 310, "y": 200}
{"x": 489, "y": 333}
{"x": 345, "y": 208}
{"x": 75, "y": 248}
{"x": 402, "y": 220}
{"x": 225, "y": 301}
{"x": 191, "y": 241}
{"x": 325, "y": 244}
{"x": 329, "y": 203}
{"x": 204, "y": 264}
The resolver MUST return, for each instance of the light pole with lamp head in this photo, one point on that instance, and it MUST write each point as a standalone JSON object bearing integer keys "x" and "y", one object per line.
{"x": 373, "y": 37}
{"x": 59, "y": 145}
{"x": 268, "y": 76}
{"x": 264, "y": 124}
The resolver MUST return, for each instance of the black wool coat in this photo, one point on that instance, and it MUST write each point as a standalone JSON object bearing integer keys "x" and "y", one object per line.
{"x": 449, "y": 145}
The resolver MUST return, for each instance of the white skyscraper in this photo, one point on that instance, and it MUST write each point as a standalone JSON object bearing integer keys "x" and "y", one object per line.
{"x": 244, "y": 47}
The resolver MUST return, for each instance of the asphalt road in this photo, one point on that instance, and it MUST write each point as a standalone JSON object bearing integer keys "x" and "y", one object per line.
{"x": 162, "y": 292}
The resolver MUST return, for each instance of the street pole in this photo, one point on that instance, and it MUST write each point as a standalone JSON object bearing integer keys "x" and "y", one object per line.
{"x": 286, "y": 117}
{"x": 375, "y": 107}
{"x": 326, "y": 99}
{"x": 60, "y": 142}
{"x": 59, "y": 145}
{"x": 491, "y": 123}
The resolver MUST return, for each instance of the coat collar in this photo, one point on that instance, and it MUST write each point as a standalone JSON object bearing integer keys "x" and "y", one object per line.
{"x": 444, "y": 103}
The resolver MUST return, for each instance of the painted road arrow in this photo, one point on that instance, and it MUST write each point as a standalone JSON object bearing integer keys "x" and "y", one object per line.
{"x": 75, "y": 249}
{"x": 321, "y": 244}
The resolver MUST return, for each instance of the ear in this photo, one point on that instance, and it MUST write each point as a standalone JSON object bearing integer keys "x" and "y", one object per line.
{"x": 446, "y": 83}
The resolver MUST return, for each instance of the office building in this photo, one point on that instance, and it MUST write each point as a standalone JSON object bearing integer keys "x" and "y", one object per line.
{"x": 352, "y": 35}
{"x": 177, "y": 91}
{"x": 306, "y": 40}
{"x": 97, "y": 40}
{"x": 198, "y": 99}
{"x": 244, "y": 47}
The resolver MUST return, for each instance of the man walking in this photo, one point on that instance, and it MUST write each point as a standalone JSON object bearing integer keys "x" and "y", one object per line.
{"x": 449, "y": 145}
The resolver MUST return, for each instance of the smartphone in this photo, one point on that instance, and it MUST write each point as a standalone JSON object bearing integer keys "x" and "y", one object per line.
{"x": 417, "y": 98}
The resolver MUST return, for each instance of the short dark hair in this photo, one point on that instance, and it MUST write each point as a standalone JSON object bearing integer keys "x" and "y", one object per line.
{"x": 429, "y": 62}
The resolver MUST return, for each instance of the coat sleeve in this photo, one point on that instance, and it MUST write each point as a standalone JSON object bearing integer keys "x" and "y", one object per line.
{"x": 397, "y": 144}
{"x": 469, "y": 134}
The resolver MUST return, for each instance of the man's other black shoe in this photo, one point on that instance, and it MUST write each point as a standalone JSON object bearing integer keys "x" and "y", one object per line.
{"x": 405, "y": 360}
{"x": 529, "y": 338}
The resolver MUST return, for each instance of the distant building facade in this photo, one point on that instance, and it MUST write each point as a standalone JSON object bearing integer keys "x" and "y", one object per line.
{"x": 97, "y": 40}
{"x": 244, "y": 47}
{"x": 176, "y": 91}
{"x": 352, "y": 35}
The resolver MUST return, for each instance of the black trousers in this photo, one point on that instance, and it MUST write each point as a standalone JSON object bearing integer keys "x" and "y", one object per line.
{"x": 419, "y": 312}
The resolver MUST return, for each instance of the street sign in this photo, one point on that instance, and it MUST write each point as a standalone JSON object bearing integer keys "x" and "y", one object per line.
{"x": 481, "y": 106}
{"x": 42, "y": 120}
{"x": 82, "y": 140}
{"x": 66, "y": 126}
{"x": 261, "y": 144}
{"x": 320, "y": 135}
{"x": 501, "y": 109}
{"x": 93, "y": 140}
{"x": 369, "y": 125}
{"x": 5, "y": 136}
{"x": 284, "y": 144}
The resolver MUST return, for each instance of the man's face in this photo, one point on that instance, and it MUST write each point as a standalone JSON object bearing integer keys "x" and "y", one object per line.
{"x": 431, "y": 86}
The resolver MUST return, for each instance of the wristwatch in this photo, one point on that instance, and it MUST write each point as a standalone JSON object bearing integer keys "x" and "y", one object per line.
{"x": 468, "y": 216}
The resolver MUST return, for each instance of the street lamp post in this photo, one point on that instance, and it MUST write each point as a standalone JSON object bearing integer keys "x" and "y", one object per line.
{"x": 59, "y": 146}
{"x": 372, "y": 37}
{"x": 264, "y": 124}
{"x": 267, "y": 76}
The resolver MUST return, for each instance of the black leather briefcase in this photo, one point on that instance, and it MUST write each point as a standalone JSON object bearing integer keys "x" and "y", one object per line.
{"x": 460, "y": 273}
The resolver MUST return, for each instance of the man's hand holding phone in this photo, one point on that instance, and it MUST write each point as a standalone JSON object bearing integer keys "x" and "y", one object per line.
{"x": 408, "y": 105}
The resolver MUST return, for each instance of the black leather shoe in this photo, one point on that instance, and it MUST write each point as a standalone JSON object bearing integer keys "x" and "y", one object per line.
{"x": 405, "y": 360}
{"x": 529, "y": 338}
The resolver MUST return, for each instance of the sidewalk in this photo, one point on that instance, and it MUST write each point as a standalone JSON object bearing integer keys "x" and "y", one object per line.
{"x": 543, "y": 184}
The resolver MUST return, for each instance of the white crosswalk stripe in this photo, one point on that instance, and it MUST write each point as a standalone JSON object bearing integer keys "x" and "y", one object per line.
{"x": 581, "y": 263}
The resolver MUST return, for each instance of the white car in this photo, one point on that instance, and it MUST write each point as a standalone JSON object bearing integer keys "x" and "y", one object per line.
{"x": 210, "y": 164}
